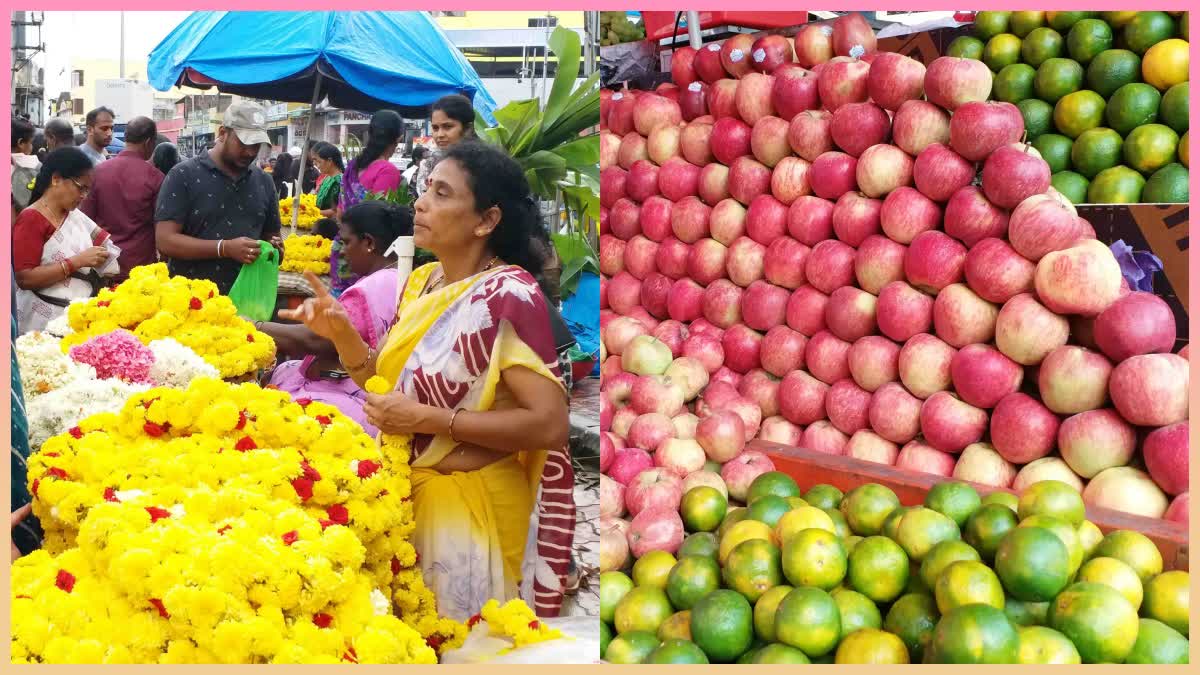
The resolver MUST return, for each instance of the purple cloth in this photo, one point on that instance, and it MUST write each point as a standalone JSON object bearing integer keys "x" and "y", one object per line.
{"x": 371, "y": 305}
{"x": 380, "y": 176}
{"x": 1138, "y": 267}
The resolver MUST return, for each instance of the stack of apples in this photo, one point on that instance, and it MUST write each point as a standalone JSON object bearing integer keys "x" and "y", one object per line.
{"x": 849, "y": 251}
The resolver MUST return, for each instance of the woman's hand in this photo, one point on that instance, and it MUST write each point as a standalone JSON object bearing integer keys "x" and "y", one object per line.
{"x": 321, "y": 314}
{"x": 395, "y": 413}
{"x": 94, "y": 256}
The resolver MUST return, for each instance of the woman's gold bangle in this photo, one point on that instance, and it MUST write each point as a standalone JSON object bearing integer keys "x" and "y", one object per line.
{"x": 365, "y": 361}
{"x": 450, "y": 427}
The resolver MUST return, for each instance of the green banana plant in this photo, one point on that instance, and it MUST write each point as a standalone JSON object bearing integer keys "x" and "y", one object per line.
{"x": 558, "y": 146}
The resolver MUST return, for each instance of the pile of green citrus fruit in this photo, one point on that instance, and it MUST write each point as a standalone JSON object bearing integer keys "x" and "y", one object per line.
{"x": 824, "y": 578}
{"x": 1104, "y": 96}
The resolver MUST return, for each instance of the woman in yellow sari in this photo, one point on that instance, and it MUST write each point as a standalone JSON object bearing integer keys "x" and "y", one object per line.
{"x": 474, "y": 373}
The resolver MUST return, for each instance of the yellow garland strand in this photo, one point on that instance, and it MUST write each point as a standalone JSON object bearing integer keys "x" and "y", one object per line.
{"x": 516, "y": 621}
{"x": 306, "y": 253}
{"x": 309, "y": 213}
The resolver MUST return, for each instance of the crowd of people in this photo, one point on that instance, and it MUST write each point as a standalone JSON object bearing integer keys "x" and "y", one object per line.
{"x": 474, "y": 349}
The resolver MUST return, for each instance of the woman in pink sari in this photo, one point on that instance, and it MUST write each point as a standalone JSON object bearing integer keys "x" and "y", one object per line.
{"x": 367, "y": 231}
{"x": 371, "y": 171}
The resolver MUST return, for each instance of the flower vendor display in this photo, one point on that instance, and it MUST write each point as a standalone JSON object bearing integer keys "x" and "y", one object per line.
{"x": 61, "y": 409}
{"x": 309, "y": 213}
{"x": 224, "y": 523}
{"x": 153, "y": 305}
{"x": 306, "y": 253}
{"x": 44, "y": 366}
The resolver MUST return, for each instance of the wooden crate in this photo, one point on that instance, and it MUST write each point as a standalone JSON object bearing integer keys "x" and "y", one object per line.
{"x": 811, "y": 468}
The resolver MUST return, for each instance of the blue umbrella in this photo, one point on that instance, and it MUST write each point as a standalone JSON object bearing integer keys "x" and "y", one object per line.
{"x": 358, "y": 60}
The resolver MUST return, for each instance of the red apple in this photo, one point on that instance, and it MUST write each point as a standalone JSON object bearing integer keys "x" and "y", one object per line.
{"x": 924, "y": 365}
{"x": 794, "y": 91}
{"x": 628, "y": 463}
{"x": 727, "y": 221}
{"x": 883, "y": 169}
{"x": 655, "y": 218}
{"x": 722, "y": 303}
{"x": 895, "y": 79}
{"x": 851, "y": 31}
{"x": 980, "y": 463}
{"x": 735, "y": 55}
{"x": 653, "y": 393}
{"x": 685, "y": 427}
{"x": 982, "y": 375}
{"x": 1151, "y": 390}
{"x": 1042, "y": 224}
{"x": 672, "y": 333}
{"x": 708, "y": 63}
{"x": 971, "y": 218}
{"x": 748, "y": 179}
{"x": 980, "y": 127}
{"x": 741, "y": 348}
{"x": 643, "y": 316}
{"x": 1027, "y": 332}
{"x": 668, "y": 90}
{"x": 685, "y": 301}
{"x": 814, "y": 44}
{"x": 633, "y": 149}
{"x": 653, "y": 111}
{"x": 923, "y": 458}
{"x": 894, "y": 413}
{"x": 870, "y": 447}
{"x": 878, "y": 262}
{"x": 706, "y": 478}
{"x": 902, "y": 311}
{"x": 766, "y": 219}
{"x": 1073, "y": 379}
{"x": 706, "y": 262}
{"x": 642, "y": 183}
{"x": 639, "y": 257}
{"x": 809, "y": 134}
{"x": 950, "y": 82}
{"x": 694, "y": 142}
{"x": 769, "y": 52}
{"x": 784, "y": 261}
{"x": 847, "y": 405}
{"x": 683, "y": 62}
{"x": 741, "y": 471}
{"x": 806, "y": 311}
{"x": 830, "y": 266}
{"x": 612, "y": 185}
{"x": 850, "y": 313}
{"x": 874, "y": 362}
{"x": 779, "y": 430}
{"x": 764, "y": 306}
{"x": 678, "y": 179}
{"x": 1138, "y": 323}
{"x": 617, "y": 389}
{"x": 624, "y": 293}
{"x": 620, "y": 332}
{"x": 825, "y": 438}
{"x": 722, "y": 434}
{"x": 651, "y": 430}
{"x": 705, "y": 349}
{"x": 608, "y": 451}
{"x": 810, "y": 219}
{"x": 754, "y": 97}
{"x": 1083, "y": 279}
{"x": 610, "y": 146}
{"x": 939, "y": 172}
{"x": 1177, "y": 512}
{"x": 761, "y": 388}
{"x": 856, "y": 217}
{"x": 996, "y": 272}
{"x": 833, "y": 174}
{"x": 680, "y": 457}
{"x": 934, "y": 261}
{"x": 656, "y": 290}
{"x": 1095, "y": 440}
{"x": 905, "y": 213}
{"x": 1013, "y": 173}
{"x": 655, "y": 530}
{"x": 689, "y": 219}
{"x": 950, "y": 424}
{"x": 802, "y": 398}
{"x": 961, "y": 318}
{"x": 857, "y": 126}
{"x": 918, "y": 124}
{"x": 623, "y": 219}
{"x": 614, "y": 544}
{"x": 672, "y": 256}
{"x": 620, "y": 117}
{"x": 768, "y": 140}
{"x": 722, "y": 99}
{"x": 745, "y": 262}
{"x": 663, "y": 144}
{"x": 730, "y": 139}
{"x": 827, "y": 357}
{"x": 1022, "y": 429}
{"x": 1166, "y": 451}
{"x": 843, "y": 80}
{"x": 713, "y": 184}
{"x": 789, "y": 180}
{"x": 782, "y": 351}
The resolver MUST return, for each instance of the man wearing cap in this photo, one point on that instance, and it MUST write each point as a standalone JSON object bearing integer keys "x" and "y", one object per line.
{"x": 215, "y": 208}
{"x": 123, "y": 193}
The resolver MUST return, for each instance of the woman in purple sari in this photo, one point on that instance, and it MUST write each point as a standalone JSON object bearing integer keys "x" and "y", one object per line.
{"x": 367, "y": 230}
{"x": 371, "y": 171}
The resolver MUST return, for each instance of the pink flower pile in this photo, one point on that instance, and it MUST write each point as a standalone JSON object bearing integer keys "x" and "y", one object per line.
{"x": 118, "y": 354}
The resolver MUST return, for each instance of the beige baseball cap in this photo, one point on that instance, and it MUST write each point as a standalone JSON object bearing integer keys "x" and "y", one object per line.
{"x": 249, "y": 121}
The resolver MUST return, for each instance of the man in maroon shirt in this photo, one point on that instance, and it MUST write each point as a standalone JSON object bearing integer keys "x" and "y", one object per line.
{"x": 124, "y": 190}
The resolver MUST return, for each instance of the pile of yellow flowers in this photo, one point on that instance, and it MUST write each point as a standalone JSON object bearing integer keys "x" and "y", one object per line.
{"x": 224, "y": 524}
{"x": 152, "y": 304}
{"x": 306, "y": 253}
{"x": 309, "y": 213}
{"x": 517, "y": 621}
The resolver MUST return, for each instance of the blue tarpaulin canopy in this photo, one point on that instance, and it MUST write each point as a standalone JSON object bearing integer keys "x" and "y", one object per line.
{"x": 363, "y": 61}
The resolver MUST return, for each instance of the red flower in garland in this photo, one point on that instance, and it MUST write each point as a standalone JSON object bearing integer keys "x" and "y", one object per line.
{"x": 435, "y": 641}
{"x": 65, "y": 581}
{"x": 153, "y": 430}
{"x": 224, "y": 529}
{"x": 309, "y": 472}
{"x": 326, "y": 523}
{"x": 162, "y": 609}
{"x": 149, "y": 402}
{"x": 110, "y": 495}
{"x": 50, "y": 454}
{"x": 245, "y": 443}
{"x": 211, "y": 294}
{"x": 303, "y": 488}
{"x": 290, "y": 538}
{"x": 56, "y": 472}
{"x": 474, "y": 620}
{"x": 103, "y": 303}
{"x": 303, "y": 402}
{"x": 535, "y": 625}
{"x": 242, "y": 419}
{"x": 156, "y": 513}
{"x": 366, "y": 468}
{"x": 324, "y": 420}
{"x": 195, "y": 303}
{"x": 76, "y": 432}
{"x": 350, "y": 655}
{"x": 322, "y": 620}
{"x": 34, "y": 487}
{"x": 395, "y": 565}
{"x": 338, "y": 514}
{"x": 249, "y": 337}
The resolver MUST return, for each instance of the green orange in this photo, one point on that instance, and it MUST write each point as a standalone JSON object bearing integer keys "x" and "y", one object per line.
{"x": 823, "y": 496}
{"x": 752, "y": 568}
{"x": 921, "y": 529}
{"x": 1131, "y": 106}
{"x": 1167, "y": 599}
{"x": 723, "y": 625}
{"x": 1088, "y": 38}
{"x": 1158, "y": 643}
{"x": 741, "y": 532}
{"x": 1174, "y": 109}
{"x": 1063, "y": 21}
{"x": 857, "y": 611}
{"x": 1118, "y": 185}
{"x": 1052, "y": 498}
{"x": 613, "y": 586}
{"x": 1071, "y": 185}
{"x": 764, "y": 612}
{"x": 1134, "y": 549}
{"x": 1045, "y": 645}
{"x": 1078, "y": 111}
{"x": 769, "y": 509}
{"x": 1090, "y": 537}
{"x": 866, "y": 507}
{"x": 1168, "y": 185}
{"x": 1055, "y": 149}
{"x": 1014, "y": 83}
{"x": 1033, "y": 564}
{"x": 803, "y": 518}
{"x": 975, "y": 634}
{"x": 913, "y": 617}
{"x": 692, "y": 578}
{"x": 966, "y": 47}
{"x": 642, "y": 609}
{"x": 632, "y": 647}
{"x": 777, "y": 653}
{"x": 871, "y": 645}
{"x": 942, "y": 556}
{"x": 1002, "y": 497}
{"x": 703, "y": 508}
{"x": 652, "y": 569}
{"x": 1002, "y": 50}
{"x": 967, "y": 582}
{"x": 1066, "y": 534}
{"x": 987, "y": 526}
{"x": 606, "y": 636}
{"x": 953, "y": 499}
{"x": 699, "y": 543}
{"x": 1147, "y": 29}
{"x": 1097, "y": 619}
{"x": 1022, "y": 24}
{"x": 1041, "y": 44}
{"x": 1038, "y": 116}
{"x": 1023, "y": 613}
{"x": 814, "y": 557}
{"x": 772, "y": 483}
{"x": 1113, "y": 572}
{"x": 1113, "y": 69}
{"x": 678, "y": 626}
{"x": 878, "y": 568}
{"x": 809, "y": 620}
{"x": 1057, "y": 77}
{"x": 677, "y": 652}
{"x": 989, "y": 24}
{"x": 1150, "y": 147}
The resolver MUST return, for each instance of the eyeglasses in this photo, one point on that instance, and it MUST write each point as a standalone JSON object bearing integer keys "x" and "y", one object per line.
{"x": 83, "y": 189}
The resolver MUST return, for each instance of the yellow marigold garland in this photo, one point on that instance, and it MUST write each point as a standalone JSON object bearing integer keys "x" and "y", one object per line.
{"x": 516, "y": 621}
{"x": 306, "y": 253}
{"x": 309, "y": 213}
{"x": 152, "y": 304}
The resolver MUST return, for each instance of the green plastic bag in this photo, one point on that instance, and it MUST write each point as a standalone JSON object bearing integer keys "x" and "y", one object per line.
{"x": 256, "y": 289}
